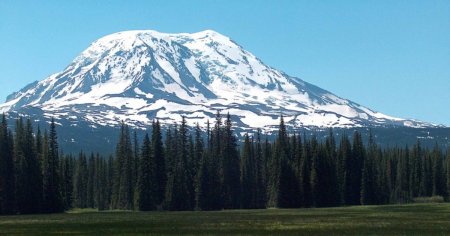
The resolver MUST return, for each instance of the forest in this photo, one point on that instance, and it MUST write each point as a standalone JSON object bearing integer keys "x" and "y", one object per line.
{"x": 195, "y": 169}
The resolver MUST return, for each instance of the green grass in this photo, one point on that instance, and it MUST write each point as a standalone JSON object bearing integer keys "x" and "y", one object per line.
{"x": 413, "y": 219}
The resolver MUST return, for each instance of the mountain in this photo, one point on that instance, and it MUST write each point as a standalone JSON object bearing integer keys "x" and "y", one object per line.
{"x": 137, "y": 76}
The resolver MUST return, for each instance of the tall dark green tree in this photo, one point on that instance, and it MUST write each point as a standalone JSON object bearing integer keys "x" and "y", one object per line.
{"x": 80, "y": 182}
{"x": 67, "y": 168}
{"x": 229, "y": 167}
{"x": 353, "y": 168}
{"x": 260, "y": 173}
{"x": 439, "y": 181}
{"x": 248, "y": 185}
{"x": 7, "y": 180}
{"x": 305, "y": 175}
{"x": 177, "y": 193}
{"x": 159, "y": 162}
{"x": 368, "y": 184}
{"x": 146, "y": 184}
{"x": 123, "y": 185}
{"x": 28, "y": 173}
{"x": 51, "y": 183}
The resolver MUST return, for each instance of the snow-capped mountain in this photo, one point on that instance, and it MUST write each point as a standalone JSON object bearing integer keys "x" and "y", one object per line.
{"x": 136, "y": 76}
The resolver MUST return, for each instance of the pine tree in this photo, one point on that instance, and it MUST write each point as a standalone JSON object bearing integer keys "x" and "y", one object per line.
{"x": 416, "y": 170}
{"x": 341, "y": 166}
{"x": 260, "y": 173}
{"x": 51, "y": 183}
{"x": 439, "y": 182}
{"x": 247, "y": 176}
{"x": 146, "y": 187}
{"x": 401, "y": 192}
{"x": 229, "y": 167}
{"x": 159, "y": 161}
{"x": 177, "y": 192}
{"x": 91, "y": 181}
{"x": 80, "y": 182}
{"x": 305, "y": 177}
{"x": 123, "y": 189}
{"x": 7, "y": 180}
{"x": 203, "y": 189}
{"x": 67, "y": 168}
{"x": 28, "y": 174}
{"x": 316, "y": 190}
{"x": 368, "y": 189}
{"x": 448, "y": 173}
{"x": 353, "y": 165}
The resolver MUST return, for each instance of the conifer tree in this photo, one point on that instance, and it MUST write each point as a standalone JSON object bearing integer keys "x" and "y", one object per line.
{"x": 160, "y": 169}
{"x": 80, "y": 182}
{"x": 91, "y": 181}
{"x": 353, "y": 165}
{"x": 368, "y": 189}
{"x": 146, "y": 184}
{"x": 260, "y": 173}
{"x": 343, "y": 156}
{"x": 247, "y": 176}
{"x": 448, "y": 173}
{"x": 124, "y": 189}
{"x": 229, "y": 167}
{"x": 51, "y": 183}
{"x": 7, "y": 180}
{"x": 177, "y": 192}
{"x": 305, "y": 176}
{"x": 439, "y": 182}
{"x": 67, "y": 168}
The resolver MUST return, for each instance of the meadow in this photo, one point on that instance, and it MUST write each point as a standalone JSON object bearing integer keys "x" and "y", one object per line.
{"x": 410, "y": 219}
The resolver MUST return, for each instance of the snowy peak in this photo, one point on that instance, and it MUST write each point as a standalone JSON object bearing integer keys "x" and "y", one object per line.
{"x": 140, "y": 75}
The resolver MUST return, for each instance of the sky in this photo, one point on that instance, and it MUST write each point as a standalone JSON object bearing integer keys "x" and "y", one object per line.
{"x": 391, "y": 56}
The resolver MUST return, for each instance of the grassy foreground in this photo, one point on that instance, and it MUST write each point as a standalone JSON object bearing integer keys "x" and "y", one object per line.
{"x": 413, "y": 219}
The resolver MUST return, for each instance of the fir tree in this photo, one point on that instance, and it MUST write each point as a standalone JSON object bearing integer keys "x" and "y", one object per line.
{"x": 51, "y": 184}
{"x": 229, "y": 167}
{"x": 146, "y": 187}
{"x": 123, "y": 189}
{"x": 7, "y": 180}
{"x": 247, "y": 176}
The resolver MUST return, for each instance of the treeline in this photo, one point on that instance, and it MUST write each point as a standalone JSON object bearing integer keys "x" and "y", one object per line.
{"x": 188, "y": 170}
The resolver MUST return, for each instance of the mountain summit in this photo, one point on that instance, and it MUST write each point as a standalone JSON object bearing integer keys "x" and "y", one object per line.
{"x": 136, "y": 76}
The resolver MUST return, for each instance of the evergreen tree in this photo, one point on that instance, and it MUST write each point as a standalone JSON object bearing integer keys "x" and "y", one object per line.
{"x": 229, "y": 167}
{"x": 91, "y": 182}
{"x": 448, "y": 173}
{"x": 80, "y": 182}
{"x": 416, "y": 170}
{"x": 368, "y": 189}
{"x": 7, "y": 180}
{"x": 353, "y": 165}
{"x": 177, "y": 192}
{"x": 439, "y": 182}
{"x": 123, "y": 189}
{"x": 146, "y": 187}
{"x": 248, "y": 185}
{"x": 28, "y": 178}
{"x": 51, "y": 184}
{"x": 305, "y": 176}
{"x": 67, "y": 168}
{"x": 344, "y": 156}
{"x": 401, "y": 192}
{"x": 260, "y": 173}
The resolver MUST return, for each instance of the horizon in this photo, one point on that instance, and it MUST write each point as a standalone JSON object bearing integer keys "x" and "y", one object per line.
{"x": 365, "y": 44}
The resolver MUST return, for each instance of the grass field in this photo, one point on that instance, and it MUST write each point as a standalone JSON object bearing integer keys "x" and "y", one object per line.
{"x": 413, "y": 219}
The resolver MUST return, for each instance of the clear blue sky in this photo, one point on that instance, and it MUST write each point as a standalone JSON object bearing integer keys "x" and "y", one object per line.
{"x": 392, "y": 56}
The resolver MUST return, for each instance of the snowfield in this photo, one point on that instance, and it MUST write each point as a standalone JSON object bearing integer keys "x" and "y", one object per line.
{"x": 137, "y": 76}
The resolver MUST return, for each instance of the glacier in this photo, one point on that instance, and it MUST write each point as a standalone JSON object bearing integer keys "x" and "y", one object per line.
{"x": 137, "y": 76}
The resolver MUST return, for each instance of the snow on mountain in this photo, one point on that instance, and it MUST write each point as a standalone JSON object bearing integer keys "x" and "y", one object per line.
{"x": 136, "y": 76}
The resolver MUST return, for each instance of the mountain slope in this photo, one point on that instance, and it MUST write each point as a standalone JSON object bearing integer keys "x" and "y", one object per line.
{"x": 136, "y": 76}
